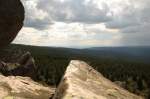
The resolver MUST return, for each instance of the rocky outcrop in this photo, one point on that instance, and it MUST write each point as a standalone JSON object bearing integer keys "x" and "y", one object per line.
{"x": 23, "y": 88}
{"x": 79, "y": 82}
{"x": 82, "y": 82}
{"x": 11, "y": 20}
{"x": 25, "y": 66}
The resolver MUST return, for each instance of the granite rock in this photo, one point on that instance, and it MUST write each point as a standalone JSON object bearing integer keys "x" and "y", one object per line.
{"x": 81, "y": 81}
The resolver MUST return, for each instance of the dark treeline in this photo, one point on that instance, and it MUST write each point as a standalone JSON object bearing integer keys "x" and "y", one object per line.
{"x": 52, "y": 62}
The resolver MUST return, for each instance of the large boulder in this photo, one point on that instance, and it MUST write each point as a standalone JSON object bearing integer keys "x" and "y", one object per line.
{"x": 23, "y": 88}
{"x": 25, "y": 66}
{"x": 81, "y": 81}
{"x": 11, "y": 20}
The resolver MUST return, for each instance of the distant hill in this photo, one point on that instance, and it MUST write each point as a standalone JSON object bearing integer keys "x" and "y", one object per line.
{"x": 138, "y": 54}
{"x": 129, "y": 53}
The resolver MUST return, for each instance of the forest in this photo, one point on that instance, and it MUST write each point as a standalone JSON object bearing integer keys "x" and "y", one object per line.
{"x": 116, "y": 65}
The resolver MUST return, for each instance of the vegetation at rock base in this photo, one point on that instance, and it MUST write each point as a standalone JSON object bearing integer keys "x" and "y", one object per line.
{"x": 52, "y": 62}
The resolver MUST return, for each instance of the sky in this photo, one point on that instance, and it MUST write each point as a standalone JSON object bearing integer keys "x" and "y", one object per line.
{"x": 86, "y": 23}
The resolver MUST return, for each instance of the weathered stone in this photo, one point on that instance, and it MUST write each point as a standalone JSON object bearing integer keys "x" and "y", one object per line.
{"x": 83, "y": 82}
{"x": 24, "y": 67}
{"x": 11, "y": 20}
{"x": 23, "y": 88}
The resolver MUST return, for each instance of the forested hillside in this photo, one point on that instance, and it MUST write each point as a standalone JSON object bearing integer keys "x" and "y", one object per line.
{"x": 114, "y": 64}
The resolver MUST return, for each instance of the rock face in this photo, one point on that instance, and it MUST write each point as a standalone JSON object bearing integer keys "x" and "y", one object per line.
{"x": 11, "y": 20}
{"x": 23, "y": 88}
{"x": 25, "y": 66}
{"x": 82, "y": 82}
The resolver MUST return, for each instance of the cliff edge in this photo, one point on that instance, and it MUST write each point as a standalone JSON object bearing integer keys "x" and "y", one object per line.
{"x": 81, "y": 81}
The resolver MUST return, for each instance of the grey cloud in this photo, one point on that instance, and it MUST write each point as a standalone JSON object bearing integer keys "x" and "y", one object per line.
{"x": 37, "y": 23}
{"x": 133, "y": 22}
{"x": 136, "y": 39}
{"x": 74, "y": 11}
{"x": 121, "y": 23}
{"x": 131, "y": 17}
{"x": 125, "y": 19}
{"x": 142, "y": 28}
{"x": 88, "y": 13}
{"x": 68, "y": 11}
{"x": 31, "y": 19}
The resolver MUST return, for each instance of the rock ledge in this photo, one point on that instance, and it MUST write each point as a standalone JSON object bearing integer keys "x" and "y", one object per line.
{"x": 81, "y": 81}
{"x": 23, "y": 88}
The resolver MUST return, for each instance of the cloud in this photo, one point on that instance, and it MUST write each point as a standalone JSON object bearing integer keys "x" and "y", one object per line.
{"x": 135, "y": 39}
{"x": 74, "y": 11}
{"x": 115, "y": 14}
{"x": 129, "y": 13}
{"x": 86, "y": 23}
{"x": 35, "y": 17}
{"x": 68, "y": 35}
{"x": 40, "y": 14}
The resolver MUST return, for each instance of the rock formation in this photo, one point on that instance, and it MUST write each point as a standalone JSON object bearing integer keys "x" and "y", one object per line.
{"x": 23, "y": 88}
{"x": 82, "y": 82}
{"x": 24, "y": 67}
{"x": 79, "y": 82}
{"x": 11, "y": 20}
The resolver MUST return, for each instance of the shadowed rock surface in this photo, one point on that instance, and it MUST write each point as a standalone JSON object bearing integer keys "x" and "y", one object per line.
{"x": 25, "y": 66}
{"x": 11, "y": 20}
{"x": 82, "y": 82}
{"x": 23, "y": 88}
